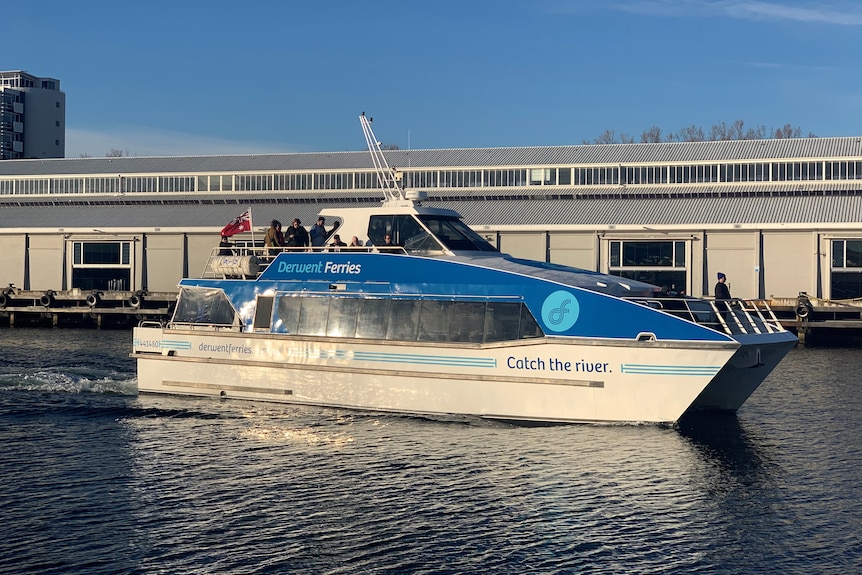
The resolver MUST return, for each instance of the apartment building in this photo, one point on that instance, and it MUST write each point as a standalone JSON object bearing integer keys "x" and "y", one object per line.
{"x": 32, "y": 117}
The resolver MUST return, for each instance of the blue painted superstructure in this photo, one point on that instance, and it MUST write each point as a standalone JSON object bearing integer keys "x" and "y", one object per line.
{"x": 599, "y": 315}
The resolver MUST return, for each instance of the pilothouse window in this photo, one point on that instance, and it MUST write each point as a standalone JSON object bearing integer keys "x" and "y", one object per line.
{"x": 455, "y": 234}
{"x": 408, "y": 232}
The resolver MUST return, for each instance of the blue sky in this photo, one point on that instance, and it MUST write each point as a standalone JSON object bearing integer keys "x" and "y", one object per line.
{"x": 214, "y": 77}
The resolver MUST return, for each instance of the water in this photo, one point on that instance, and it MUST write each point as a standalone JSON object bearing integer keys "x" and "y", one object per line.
{"x": 94, "y": 479}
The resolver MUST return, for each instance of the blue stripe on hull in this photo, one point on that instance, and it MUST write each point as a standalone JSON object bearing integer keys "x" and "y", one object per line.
{"x": 648, "y": 369}
{"x": 407, "y": 358}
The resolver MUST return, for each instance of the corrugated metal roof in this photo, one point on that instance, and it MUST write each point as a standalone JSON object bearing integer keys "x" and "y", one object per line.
{"x": 670, "y": 211}
{"x": 607, "y": 154}
{"x": 740, "y": 188}
{"x": 148, "y": 217}
{"x": 579, "y": 211}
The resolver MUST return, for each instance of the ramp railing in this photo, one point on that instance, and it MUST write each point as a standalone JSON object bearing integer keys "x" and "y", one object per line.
{"x": 734, "y": 316}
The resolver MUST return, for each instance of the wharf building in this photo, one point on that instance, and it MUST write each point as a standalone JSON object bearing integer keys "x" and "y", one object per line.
{"x": 32, "y": 117}
{"x": 779, "y": 217}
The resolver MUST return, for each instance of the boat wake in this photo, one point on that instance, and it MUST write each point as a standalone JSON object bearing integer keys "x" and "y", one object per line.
{"x": 70, "y": 380}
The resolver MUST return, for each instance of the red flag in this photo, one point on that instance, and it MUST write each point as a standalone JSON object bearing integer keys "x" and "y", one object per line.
{"x": 241, "y": 223}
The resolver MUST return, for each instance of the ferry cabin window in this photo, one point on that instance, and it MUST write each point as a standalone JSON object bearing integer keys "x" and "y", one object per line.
{"x": 528, "y": 326}
{"x": 846, "y": 276}
{"x": 343, "y": 314}
{"x": 502, "y": 321}
{"x": 287, "y": 315}
{"x": 372, "y": 319}
{"x": 263, "y": 312}
{"x": 313, "y": 316}
{"x": 435, "y": 317}
{"x": 203, "y": 306}
{"x": 469, "y": 324}
{"x": 405, "y": 319}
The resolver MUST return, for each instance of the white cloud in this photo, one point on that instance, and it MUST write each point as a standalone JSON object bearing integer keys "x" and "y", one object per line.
{"x": 146, "y": 141}
{"x": 840, "y": 13}
{"x": 811, "y": 13}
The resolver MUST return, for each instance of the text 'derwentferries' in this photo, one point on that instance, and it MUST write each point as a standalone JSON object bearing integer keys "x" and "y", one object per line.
{"x": 319, "y": 268}
{"x": 555, "y": 364}
{"x": 227, "y": 348}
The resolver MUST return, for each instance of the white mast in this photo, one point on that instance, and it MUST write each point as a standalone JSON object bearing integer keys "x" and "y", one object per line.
{"x": 387, "y": 177}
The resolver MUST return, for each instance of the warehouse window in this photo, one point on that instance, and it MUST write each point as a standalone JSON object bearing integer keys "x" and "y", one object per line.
{"x": 657, "y": 262}
{"x": 101, "y": 265}
{"x": 846, "y": 269}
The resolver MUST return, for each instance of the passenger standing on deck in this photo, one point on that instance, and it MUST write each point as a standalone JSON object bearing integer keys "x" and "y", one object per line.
{"x": 355, "y": 243}
{"x": 225, "y": 248}
{"x": 274, "y": 238}
{"x": 317, "y": 232}
{"x": 297, "y": 235}
{"x": 721, "y": 289}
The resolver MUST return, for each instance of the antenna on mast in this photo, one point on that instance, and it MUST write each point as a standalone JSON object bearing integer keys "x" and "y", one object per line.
{"x": 386, "y": 176}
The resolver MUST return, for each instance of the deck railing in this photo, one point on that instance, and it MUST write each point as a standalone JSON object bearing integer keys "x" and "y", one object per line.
{"x": 733, "y": 316}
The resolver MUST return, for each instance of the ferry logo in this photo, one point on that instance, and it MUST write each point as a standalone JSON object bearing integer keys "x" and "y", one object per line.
{"x": 560, "y": 311}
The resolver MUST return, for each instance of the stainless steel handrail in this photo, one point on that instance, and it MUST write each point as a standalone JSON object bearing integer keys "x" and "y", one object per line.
{"x": 733, "y": 316}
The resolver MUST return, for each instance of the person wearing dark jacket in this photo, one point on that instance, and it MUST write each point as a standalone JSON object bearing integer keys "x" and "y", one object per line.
{"x": 721, "y": 289}
{"x": 297, "y": 236}
{"x": 225, "y": 248}
{"x": 317, "y": 233}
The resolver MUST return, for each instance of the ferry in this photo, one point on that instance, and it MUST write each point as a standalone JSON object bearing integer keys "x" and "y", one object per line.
{"x": 440, "y": 323}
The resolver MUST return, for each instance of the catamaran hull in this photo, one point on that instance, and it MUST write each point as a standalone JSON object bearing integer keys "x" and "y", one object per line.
{"x": 745, "y": 371}
{"x": 541, "y": 381}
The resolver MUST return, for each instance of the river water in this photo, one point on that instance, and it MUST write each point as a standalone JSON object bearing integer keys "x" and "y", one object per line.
{"x": 96, "y": 479}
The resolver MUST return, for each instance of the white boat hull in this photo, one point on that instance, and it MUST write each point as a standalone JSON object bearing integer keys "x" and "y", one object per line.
{"x": 744, "y": 373}
{"x": 547, "y": 380}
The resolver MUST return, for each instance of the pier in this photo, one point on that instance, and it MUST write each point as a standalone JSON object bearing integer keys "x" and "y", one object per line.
{"x": 78, "y": 308}
{"x": 816, "y": 321}
{"x": 820, "y": 321}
